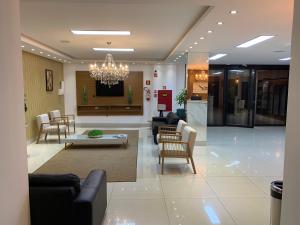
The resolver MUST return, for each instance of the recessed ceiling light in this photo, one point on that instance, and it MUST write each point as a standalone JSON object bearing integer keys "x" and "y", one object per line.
{"x": 41, "y": 53}
{"x": 180, "y": 56}
{"x": 59, "y": 59}
{"x": 82, "y": 62}
{"x": 233, "y": 12}
{"x": 195, "y": 43}
{"x": 114, "y": 49}
{"x": 191, "y": 46}
{"x": 217, "y": 56}
{"x": 210, "y": 31}
{"x": 201, "y": 38}
{"x": 54, "y": 57}
{"x": 285, "y": 59}
{"x": 48, "y": 55}
{"x": 101, "y": 32}
{"x": 254, "y": 41}
{"x": 22, "y": 46}
{"x": 33, "y": 49}
{"x": 220, "y": 23}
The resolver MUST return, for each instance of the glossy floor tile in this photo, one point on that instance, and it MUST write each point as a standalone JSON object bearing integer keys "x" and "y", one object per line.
{"x": 234, "y": 172}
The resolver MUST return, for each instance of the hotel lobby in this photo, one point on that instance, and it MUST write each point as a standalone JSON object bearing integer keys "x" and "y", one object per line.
{"x": 149, "y": 112}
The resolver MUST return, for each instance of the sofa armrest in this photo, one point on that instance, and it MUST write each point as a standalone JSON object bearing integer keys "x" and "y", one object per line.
{"x": 90, "y": 205}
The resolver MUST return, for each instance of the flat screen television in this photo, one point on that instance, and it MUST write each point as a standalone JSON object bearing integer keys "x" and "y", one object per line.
{"x": 106, "y": 91}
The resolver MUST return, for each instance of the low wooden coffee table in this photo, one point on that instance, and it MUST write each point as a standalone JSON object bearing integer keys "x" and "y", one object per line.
{"x": 106, "y": 139}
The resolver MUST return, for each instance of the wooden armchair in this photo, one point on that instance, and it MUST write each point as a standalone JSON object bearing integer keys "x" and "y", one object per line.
{"x": 171, "y": 133}
{"x": 46, "y": 127}
{"x": 68, "y": 120}
{"x": 179, "y": 149}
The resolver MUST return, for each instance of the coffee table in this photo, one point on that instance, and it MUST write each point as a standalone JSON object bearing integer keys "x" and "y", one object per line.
{"x": 106, "y": 139}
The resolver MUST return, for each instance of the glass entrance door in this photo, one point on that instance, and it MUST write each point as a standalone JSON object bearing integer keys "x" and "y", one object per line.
{"x": 239, "y": 100}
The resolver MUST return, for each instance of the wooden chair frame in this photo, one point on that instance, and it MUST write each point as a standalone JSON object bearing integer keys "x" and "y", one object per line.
{"x": 65, "y": 118}
{"x": 41, "y": 130}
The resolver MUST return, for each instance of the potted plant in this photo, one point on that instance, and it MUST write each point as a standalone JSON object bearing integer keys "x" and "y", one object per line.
{"x": 181, "y": 99}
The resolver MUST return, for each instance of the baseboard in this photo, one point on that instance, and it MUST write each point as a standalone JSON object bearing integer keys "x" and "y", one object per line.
{"x": 114, "y": 125}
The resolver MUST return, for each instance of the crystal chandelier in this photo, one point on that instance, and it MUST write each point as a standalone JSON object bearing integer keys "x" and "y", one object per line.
{"x": 109, "y": 73}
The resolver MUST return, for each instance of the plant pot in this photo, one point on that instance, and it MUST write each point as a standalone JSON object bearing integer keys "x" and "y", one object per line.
{"x": 181, "y": 114}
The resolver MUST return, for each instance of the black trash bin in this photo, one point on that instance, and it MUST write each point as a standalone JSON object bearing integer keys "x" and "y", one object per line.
{"x": 276, "y": 197}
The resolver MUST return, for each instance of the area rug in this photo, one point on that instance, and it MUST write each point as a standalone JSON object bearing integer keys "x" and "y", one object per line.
{"x": 120, "y": 163}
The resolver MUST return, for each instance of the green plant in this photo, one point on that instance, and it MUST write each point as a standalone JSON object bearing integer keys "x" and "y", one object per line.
{"x": 95, "y": 133}
{"x": 181, "y": 97}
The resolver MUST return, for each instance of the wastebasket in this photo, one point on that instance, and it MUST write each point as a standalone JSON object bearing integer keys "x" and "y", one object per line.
{"x": 276, "y": 197}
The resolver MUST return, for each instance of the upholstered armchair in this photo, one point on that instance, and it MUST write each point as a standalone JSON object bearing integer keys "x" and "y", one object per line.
{"x": 179, "y": 149}
{"x": 56, "y": 116}
{"x": 46, "y": 127}
{"x": 172, "y": 133}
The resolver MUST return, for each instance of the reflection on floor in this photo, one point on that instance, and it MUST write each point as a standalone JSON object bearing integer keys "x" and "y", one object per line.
{"x": 231, "y": 187}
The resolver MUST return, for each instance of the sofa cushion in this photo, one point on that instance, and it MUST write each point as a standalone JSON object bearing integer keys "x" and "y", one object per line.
{"x": 57, "y": 180}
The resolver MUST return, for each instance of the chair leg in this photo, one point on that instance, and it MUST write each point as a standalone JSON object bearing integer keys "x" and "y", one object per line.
{"x": 69, "y": 128}
{"x": 39, "y": 136}
{"x": 74, "y": 127}
{"x": 162, "y": 165}
{"x": 66, "y": 133}
{"x": 46, "y": 136}
{"x": 194, "y": 168}
{"x": 58, "y": 136}
{"x": 187, "y": 160}
{"x": 159, "y": 159}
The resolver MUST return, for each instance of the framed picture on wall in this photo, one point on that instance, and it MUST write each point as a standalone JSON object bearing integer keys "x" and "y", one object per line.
{"x": 49, "y": 80}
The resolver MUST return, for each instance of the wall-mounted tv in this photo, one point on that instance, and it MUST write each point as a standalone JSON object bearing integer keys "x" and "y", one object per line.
{"x": 106, "y": 91}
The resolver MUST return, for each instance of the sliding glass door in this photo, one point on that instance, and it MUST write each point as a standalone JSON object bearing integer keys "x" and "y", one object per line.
{"x": 239, "y": 100}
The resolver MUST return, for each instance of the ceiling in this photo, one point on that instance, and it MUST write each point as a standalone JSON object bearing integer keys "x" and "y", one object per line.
{"x": 161, "y": 29}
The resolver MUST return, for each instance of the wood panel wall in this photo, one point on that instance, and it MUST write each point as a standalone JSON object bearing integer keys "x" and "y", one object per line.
{"x": 37, "y": 99}
{"x": 135, "y": 80}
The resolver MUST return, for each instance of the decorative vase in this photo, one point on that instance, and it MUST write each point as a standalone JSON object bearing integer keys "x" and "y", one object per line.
{"x": 84, "y": 96}
{"x": 130, "y": 95}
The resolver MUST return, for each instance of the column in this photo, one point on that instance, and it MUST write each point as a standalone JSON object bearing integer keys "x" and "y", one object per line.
{"x": 13, "y": 157}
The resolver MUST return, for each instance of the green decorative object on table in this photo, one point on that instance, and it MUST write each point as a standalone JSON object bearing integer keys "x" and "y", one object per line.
{"x": 95, "y": 133}
{"x": 130, "y": 95}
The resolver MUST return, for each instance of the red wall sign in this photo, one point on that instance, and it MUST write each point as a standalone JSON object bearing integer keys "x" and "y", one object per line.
{"x": 165, "y": 97}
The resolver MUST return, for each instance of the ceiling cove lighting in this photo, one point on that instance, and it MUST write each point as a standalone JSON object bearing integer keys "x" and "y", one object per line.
{"x": 285, "y": 59}
{"x": 101, "y": 32}
{"x": 114, "y": 49}
{"x": 217, "y": 56}
{"x": 255, "y": 41}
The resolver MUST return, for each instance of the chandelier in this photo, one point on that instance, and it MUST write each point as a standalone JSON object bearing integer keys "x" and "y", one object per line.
{"x": 109, "y": 73}
{"x": 203, "y": 76}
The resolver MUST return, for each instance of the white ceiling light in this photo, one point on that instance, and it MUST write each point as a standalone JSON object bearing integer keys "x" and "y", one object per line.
{"x": 255, "y": 41}
{"x": 48, "y": 55}
{"x": 41, "y": 53}
{"x": 217, "y": 56}
{"x": 33, "y": 49}
{"x": 22, "y": 46}
{"x": 285, "y": 59}
{"x": 114, "y": 49}
{"x": 54, "y": 57}
{"x": 233, "y": 12}
{"x": 195, "y": 43}
{"x": 220, "y": 23}
{"x": 202, "y": 38}
{"x": 191, "y": 46}
{"x": 210, "y": 31}
{"x": 101, "y": 32}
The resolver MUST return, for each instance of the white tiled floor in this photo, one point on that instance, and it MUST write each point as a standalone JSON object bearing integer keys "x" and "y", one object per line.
{"x": 232, "y": 185}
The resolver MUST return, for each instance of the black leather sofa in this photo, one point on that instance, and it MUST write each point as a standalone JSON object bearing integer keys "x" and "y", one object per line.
{"x": 170, "y": 119}
{"x": 65, "y": 200}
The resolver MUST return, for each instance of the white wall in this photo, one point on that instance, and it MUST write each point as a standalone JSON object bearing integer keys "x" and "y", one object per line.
{"x": 171, "y": 76}
{"x": 291, "y": 196}
{"x": 13, "y": 157}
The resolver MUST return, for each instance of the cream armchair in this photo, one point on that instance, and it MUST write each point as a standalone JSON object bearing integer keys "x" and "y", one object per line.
{"x": 68, "y": 120}
{"x": 172, "y": 133}
{"x": 179, "y": 149}
{"x": 46, "y": 127}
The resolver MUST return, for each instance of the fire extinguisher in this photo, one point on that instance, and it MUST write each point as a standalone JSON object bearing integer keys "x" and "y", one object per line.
{"x": 148, "y": 93}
